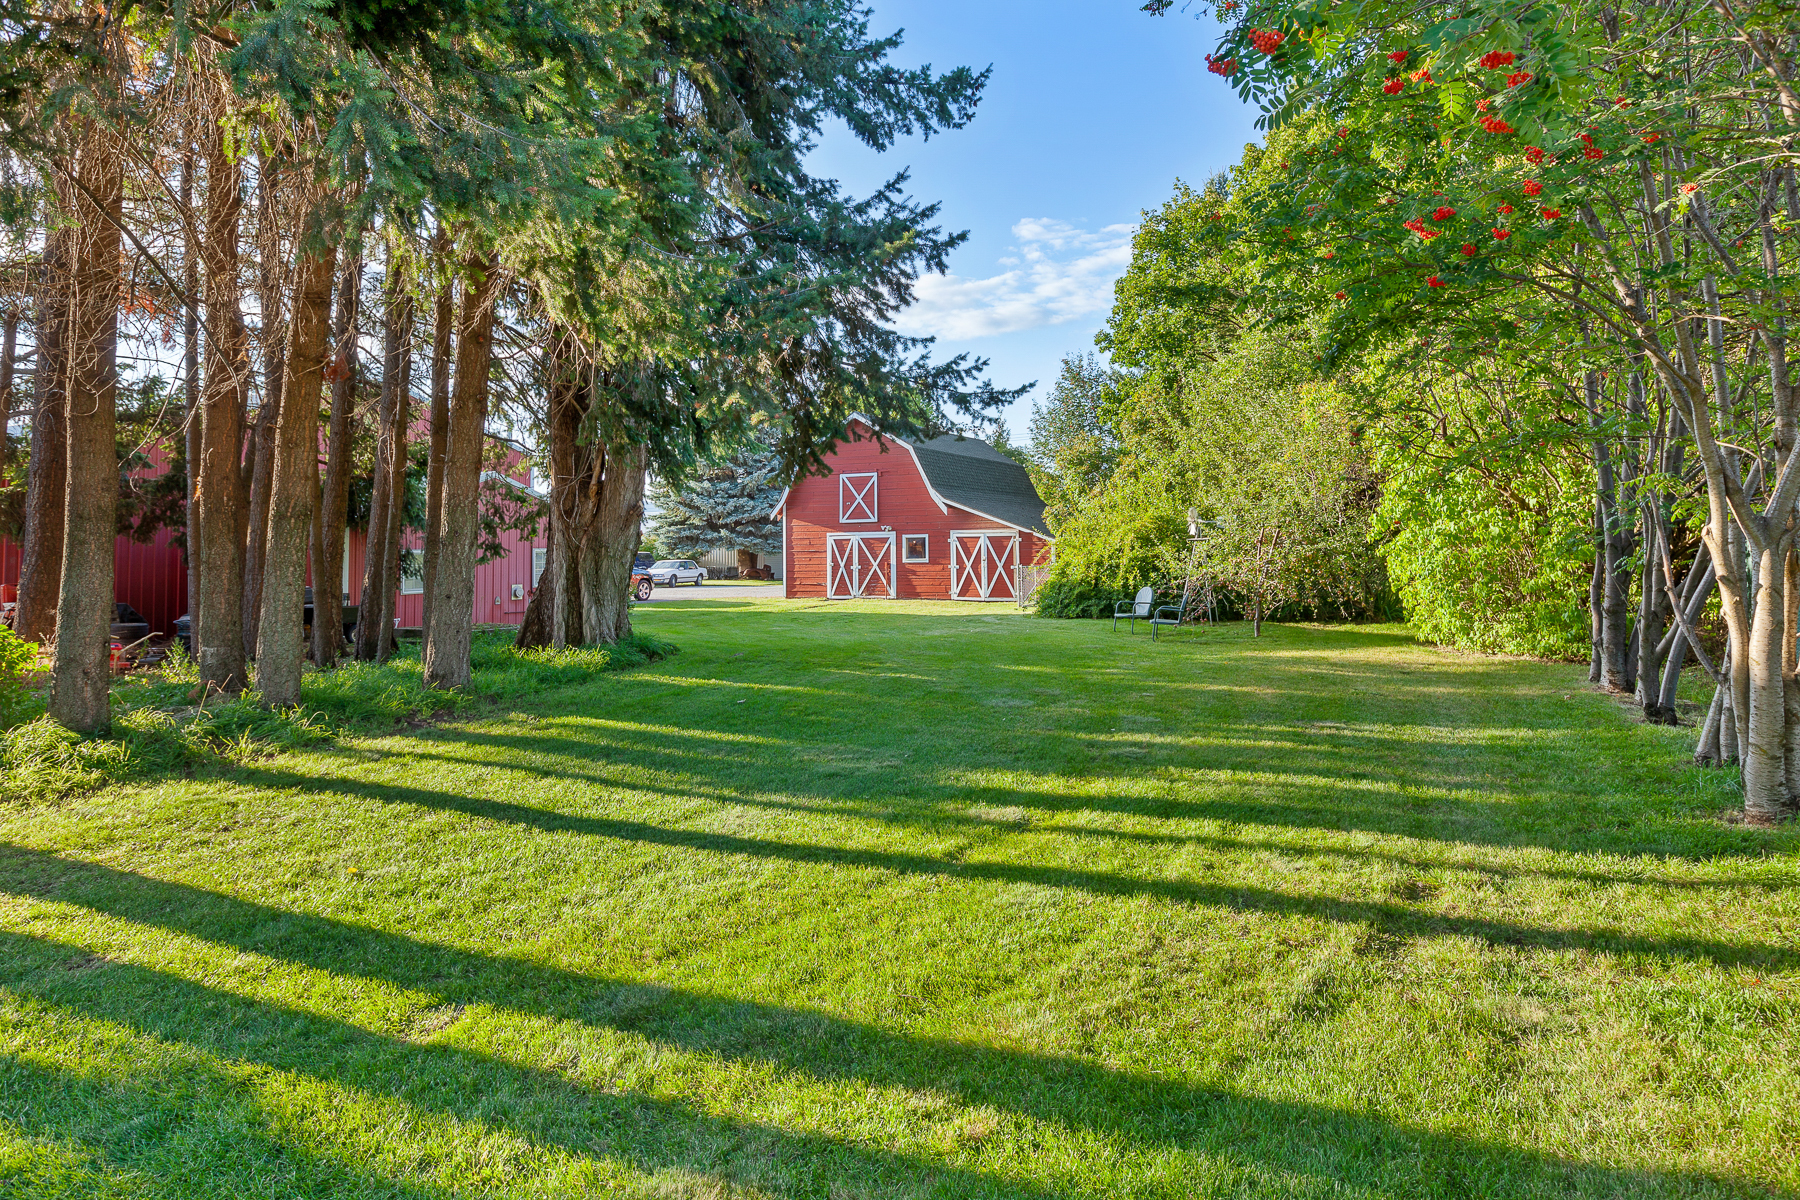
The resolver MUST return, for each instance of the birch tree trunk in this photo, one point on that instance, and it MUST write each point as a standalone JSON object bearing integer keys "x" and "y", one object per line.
{"x": 81, "y": 676}
{"x": 279, "y": 639}
{"x": 46, "y": 489}
{"x": 448, "y": 630}
{"x": 218, "y": 638}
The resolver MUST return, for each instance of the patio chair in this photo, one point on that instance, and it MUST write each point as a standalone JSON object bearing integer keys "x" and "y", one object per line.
{"x": 1173, "y": 621}
{"x": 1134, "y": 610}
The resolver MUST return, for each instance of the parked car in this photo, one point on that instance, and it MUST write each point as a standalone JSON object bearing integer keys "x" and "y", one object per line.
{"x": 641, "y": 562}
{"x": 640, "y": 584}
{"x": 673, "y": 571}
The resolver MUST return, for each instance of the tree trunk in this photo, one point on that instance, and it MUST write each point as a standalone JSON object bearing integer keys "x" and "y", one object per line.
{"x": 46, "y": 490}
{"x": 452, "y": 587}
{"x": 9, "y": 352}
{"x": 443, "y": 319}
{"x": 279, "y": 640}
{"x": 190, "y": 282}
{"x": 1597, "y": 611}
{"x": 534, "y": 626}
{"x": 1650, "y": 630}
{"x": 375, "y": 617}
{"x": 273, "y": 336}
{"x": 328, "y": 556}
{"x": 1766, "y": 797}
{"x": 218, "y": 637}
{"x": 570, "y": 389}
{"x": 611, "y": 546}
{"x": 81, "y": 677}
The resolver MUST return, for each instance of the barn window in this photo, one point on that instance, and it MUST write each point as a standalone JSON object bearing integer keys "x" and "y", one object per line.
{"x": 915, "y": 547}
{"x": 539, "y": 554}
{"x": 856, "y": 498}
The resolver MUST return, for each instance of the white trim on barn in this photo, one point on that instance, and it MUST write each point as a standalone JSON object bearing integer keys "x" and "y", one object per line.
{"x": 857, "y": 564}
{"x": 859, "y": 492}
{"x": 983, "y": 564}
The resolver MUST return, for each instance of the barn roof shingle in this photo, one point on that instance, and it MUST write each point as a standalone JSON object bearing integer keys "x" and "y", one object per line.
{"x": 971, "y": 474}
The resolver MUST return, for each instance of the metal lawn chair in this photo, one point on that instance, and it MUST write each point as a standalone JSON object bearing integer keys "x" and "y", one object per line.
{"x": 1135, "y": 610}
{"x": 1173, "y": 621}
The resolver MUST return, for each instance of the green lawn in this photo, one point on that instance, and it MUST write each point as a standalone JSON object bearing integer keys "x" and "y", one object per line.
{"x": 885, "y": 900}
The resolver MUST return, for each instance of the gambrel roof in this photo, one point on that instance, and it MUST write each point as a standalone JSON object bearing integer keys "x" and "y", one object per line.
{"x": 971, "y": 474}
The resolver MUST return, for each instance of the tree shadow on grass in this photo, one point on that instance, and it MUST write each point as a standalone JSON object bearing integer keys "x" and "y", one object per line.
{"x": 1267, "y": 1146}
{"x": 1366, "y": 779}
{"x": 1391, "y": 918}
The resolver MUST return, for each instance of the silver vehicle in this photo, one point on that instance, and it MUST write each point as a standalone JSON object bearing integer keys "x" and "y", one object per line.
{"x": 672, "y": 571}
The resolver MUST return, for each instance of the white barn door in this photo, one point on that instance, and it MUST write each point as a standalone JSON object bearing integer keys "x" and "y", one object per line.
{"x": 859, "y": 564}
{"x": 983, "y": 564}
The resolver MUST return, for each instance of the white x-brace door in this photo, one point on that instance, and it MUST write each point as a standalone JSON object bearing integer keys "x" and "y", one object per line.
{"x": 982, "y": 563}
{"x": 859, "y": 564}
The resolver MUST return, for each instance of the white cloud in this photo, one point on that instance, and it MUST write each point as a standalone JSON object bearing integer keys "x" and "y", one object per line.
{"x": 1058, "y": 273}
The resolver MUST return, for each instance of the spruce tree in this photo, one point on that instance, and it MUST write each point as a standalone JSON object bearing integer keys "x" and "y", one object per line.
{"x": 730, "y": 507}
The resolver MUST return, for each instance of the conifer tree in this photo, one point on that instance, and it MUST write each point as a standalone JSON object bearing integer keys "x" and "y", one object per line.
{"x": 730, "y": 507}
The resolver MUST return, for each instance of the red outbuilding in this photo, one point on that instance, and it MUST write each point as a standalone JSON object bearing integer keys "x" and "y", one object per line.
{"x": 951, "y": 518}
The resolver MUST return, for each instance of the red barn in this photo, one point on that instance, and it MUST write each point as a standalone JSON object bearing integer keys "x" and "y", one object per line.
{"x": 951, "y": 518}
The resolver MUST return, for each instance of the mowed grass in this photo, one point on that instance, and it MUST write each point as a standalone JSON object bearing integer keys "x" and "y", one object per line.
{"x": 906, "y": 900}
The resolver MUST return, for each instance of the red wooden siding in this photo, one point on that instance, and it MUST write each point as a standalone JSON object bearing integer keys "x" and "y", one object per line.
{"x": 152, "y": 576}
{"x": 903, "y": 504}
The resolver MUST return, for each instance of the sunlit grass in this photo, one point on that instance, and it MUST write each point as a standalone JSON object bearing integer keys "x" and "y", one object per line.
{"x": 920, "y": 900}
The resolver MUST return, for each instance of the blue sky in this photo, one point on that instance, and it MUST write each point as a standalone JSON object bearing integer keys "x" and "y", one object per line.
{"x": 1093, "y": 112}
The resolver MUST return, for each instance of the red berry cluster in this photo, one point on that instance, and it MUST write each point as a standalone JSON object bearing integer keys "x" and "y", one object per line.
{"x": 1504, "y": 209}
{"x": 1423, "y": 75}
{"x": 1496, "y": 125}
{"x": 1468, "y": 250}
{"x": 1533, "y": 155}
{"x": 1398, "y": 56}
{"x": 1434, "y": 281}
{"x": 1550, "y": 214}
{"x": 1502, "y": 234}
{"x": 1533, "y": 187}
{"x": 1443, "y": 214}
{"x": 1392, "y": 87}
{"x": 1594, "y": 152}
{"x": 1518, "y": 77}
{"x": 1266, "y": 40}
{"x": 1418, "y": 227}
{"x": 1493, "y": 60}
{"x": 1221, "y": 66}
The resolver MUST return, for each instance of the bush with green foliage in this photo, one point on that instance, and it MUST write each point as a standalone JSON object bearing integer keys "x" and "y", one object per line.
{"x": 1500, "y": 569}
{"x": 18, "y": 703}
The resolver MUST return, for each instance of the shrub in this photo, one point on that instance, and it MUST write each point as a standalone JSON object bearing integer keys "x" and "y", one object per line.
{"x": 18, "y": 703}
{"x": 1079, "y": 597}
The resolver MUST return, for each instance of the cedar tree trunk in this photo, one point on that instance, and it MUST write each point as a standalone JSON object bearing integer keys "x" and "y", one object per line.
{"x": 328, "y": 555}
{"x": 279, "y": 639}
{"x": 452, "y": 588}
{"x": 218, "y": 633}
{"x": 443, "y": 319}
{"x": 46, "y": 489}
{"x": 81, "y": 676}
